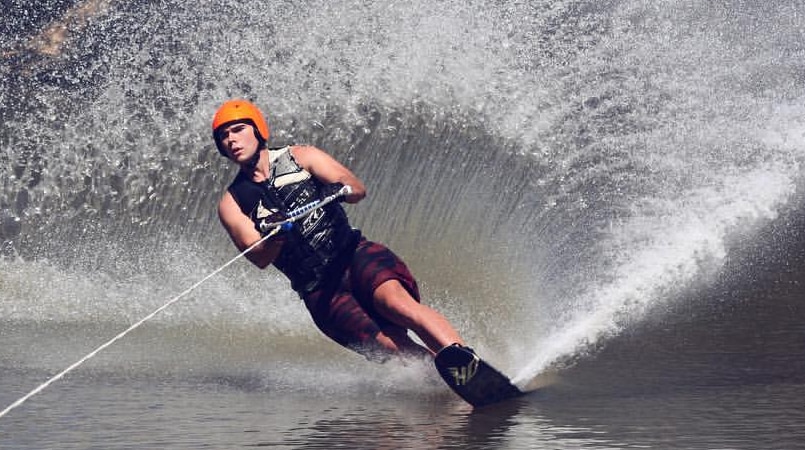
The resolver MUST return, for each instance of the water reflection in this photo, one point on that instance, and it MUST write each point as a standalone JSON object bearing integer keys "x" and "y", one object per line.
{"x": 436, "y": 422}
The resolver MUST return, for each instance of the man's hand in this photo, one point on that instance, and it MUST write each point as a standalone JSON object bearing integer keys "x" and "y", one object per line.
{"x": 266, "y": 220}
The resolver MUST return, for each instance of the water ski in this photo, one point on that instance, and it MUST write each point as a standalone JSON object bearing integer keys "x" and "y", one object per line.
{"x": 473, "y": 379}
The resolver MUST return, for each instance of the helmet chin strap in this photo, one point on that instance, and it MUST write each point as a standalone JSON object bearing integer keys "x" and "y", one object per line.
{"x": 251, "y": 164}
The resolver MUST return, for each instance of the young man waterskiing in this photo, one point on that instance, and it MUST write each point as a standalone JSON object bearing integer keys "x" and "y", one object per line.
{"x": 358, "y": 292}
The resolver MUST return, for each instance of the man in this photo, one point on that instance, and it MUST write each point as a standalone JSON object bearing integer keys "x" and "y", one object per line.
{"x": 358, "y": 292}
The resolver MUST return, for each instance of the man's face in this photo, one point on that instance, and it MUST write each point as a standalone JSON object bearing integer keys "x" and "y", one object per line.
{"x": 239, "y": 141}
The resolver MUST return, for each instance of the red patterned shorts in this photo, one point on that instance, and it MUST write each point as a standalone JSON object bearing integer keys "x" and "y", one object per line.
{"x": 344, "y": 310}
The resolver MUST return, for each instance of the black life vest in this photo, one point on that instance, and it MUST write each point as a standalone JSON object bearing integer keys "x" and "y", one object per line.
{"x": 318, "y": 246}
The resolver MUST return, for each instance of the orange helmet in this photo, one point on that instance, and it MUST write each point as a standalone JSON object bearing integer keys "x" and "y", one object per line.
{"x": 239, "y": 110}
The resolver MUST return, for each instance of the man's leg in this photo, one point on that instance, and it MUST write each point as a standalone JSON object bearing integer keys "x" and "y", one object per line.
{"x": 395, "y": 339}
{"x": 346, "y": 322}
{"x": 395, "y": 303}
